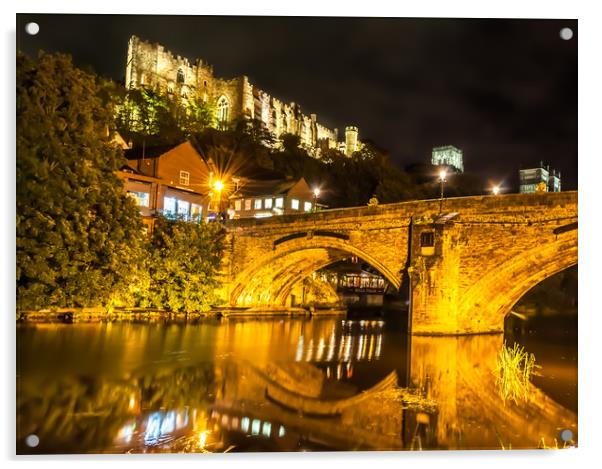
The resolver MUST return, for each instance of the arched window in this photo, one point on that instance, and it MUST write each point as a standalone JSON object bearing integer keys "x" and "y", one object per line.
{"x": 180, "y": 78}
{"x": 223, "y": 106}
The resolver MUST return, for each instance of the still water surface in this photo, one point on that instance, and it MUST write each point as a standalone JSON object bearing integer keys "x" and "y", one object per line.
{"x": 282, "y": 385}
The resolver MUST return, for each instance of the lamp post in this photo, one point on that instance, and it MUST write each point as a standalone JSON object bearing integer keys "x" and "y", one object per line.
{"x": 442, "y": 181}
{"x": 218, "y": 186}
{"x": 316, "y": 195}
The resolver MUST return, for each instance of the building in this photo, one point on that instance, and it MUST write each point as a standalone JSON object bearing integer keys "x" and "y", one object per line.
{"x": 539, "y": 179}
{"x": 448, "y": 156}
{"x": 170, "y": 180}
{"x": 278, "y": 198}
{"x": 151, "y": 65}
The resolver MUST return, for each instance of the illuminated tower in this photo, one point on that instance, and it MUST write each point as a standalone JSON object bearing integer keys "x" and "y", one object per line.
{"x": 448, "y": 156}
{"x": 350, "y": 140}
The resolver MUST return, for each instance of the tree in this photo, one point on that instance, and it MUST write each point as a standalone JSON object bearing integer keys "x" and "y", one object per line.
{"x": 148, "y": 117}
{"x": 182, "y": 265}
{"x": 78, "y": 236}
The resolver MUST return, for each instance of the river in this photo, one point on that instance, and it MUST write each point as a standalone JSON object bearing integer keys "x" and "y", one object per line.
{"x": 285, "y": 385}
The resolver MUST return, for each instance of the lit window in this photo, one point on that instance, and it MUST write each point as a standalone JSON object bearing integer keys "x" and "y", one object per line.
{"x": 237, "y": 205}
{"x": 223, "y": 107}
{"x": 196, "y": 212}
{"x": 307, "y": 206}
{"x": 279, "y": 202}
{"x": 268, "y": 203}
{"x": 257, "y": 204}
{"x": 248, "y": 204}
{"x": 183, "y": 208}
{"x": 184, "y": 178}
{"x": 267, "y": 429}
{"x": 295, "y": 204}
{"x": 169, "y": 205}
{"x": 141, "y": 198}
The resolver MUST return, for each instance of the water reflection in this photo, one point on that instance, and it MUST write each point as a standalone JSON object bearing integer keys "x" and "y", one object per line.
{"x": 269, "y": 385}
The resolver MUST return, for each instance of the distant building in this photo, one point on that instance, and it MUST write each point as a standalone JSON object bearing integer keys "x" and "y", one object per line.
{"x": 554, "y": 181}
{"x": 539, "y": 179}
{"x": 448, "y": 156}
{"x": 273, "y": 198}
{"x": 168, "y": 180}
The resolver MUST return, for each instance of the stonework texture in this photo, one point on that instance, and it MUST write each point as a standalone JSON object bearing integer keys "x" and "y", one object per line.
{"x": 487, "y": 252}
{"x": 151, "y": 65}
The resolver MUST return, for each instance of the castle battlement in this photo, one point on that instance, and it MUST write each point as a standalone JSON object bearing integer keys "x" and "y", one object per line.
{"x": 152, "y": 65}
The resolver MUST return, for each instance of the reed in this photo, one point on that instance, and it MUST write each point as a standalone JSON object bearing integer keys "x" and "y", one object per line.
{"x": 514, "y": 368}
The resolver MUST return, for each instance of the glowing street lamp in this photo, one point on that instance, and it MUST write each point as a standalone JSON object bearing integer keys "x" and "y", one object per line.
{"x": 316, "y": 195}
{"x": 218, "y": 185}
{"x": 442, "y": 180}
{"x": 495, "y": 190}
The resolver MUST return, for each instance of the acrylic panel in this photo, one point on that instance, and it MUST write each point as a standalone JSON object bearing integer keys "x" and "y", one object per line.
{"x": 240, "y": 234}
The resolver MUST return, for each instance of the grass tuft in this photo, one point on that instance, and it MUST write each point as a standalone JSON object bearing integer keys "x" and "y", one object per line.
{"x": 514, "y": 368}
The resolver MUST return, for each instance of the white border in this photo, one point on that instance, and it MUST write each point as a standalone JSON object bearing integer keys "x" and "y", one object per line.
{"x": 590, "y": 128}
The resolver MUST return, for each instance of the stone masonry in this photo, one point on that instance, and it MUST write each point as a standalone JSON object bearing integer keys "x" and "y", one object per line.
{"x": 466, "y": 267}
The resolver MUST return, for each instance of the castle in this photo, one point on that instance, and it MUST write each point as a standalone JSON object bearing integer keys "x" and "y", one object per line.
{"x": 151, "y": 65}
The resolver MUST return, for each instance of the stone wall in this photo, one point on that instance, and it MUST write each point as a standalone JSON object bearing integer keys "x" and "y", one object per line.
{"x": 487, "y": 252}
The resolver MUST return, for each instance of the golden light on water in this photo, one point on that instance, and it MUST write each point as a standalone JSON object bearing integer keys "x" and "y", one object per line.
{"x": 202, "y": 439}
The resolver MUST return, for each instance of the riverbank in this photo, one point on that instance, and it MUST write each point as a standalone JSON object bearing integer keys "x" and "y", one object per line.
{"x": 72, "y": 315}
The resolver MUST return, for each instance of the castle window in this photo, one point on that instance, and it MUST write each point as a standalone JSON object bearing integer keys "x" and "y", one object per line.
{"x": 223, "y": 107}
{"x": 180, "y": 78}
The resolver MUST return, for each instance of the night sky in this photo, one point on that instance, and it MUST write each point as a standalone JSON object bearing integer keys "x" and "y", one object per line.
{"x": 505, "y": 91}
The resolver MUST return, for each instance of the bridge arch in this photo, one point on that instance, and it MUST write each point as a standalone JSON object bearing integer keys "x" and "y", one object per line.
{"x": 270, "y": 278}
{"x": 488, "y": 301}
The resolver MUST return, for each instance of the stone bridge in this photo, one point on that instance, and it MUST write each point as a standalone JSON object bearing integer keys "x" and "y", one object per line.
{"x": 465, "y": 266}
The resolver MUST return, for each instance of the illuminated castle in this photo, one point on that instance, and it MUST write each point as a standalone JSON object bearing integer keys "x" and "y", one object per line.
{"x": 151, "y": 65}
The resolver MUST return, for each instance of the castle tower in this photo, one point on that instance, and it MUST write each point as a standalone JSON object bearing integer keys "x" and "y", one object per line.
{"x": 350, "y": 140}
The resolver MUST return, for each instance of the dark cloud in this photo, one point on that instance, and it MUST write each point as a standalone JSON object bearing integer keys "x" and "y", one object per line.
{"x": 505, "y": 91}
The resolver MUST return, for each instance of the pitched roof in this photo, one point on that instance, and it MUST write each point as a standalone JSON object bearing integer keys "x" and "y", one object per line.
{"x": 136, "y": 153}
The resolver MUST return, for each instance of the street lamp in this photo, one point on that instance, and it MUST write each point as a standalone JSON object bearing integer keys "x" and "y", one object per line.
{"x": 442, "y": 180}
{"x": 218, "y": 186}
{"x": 495, "y": 190}
{"x": 316, "y": 195}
